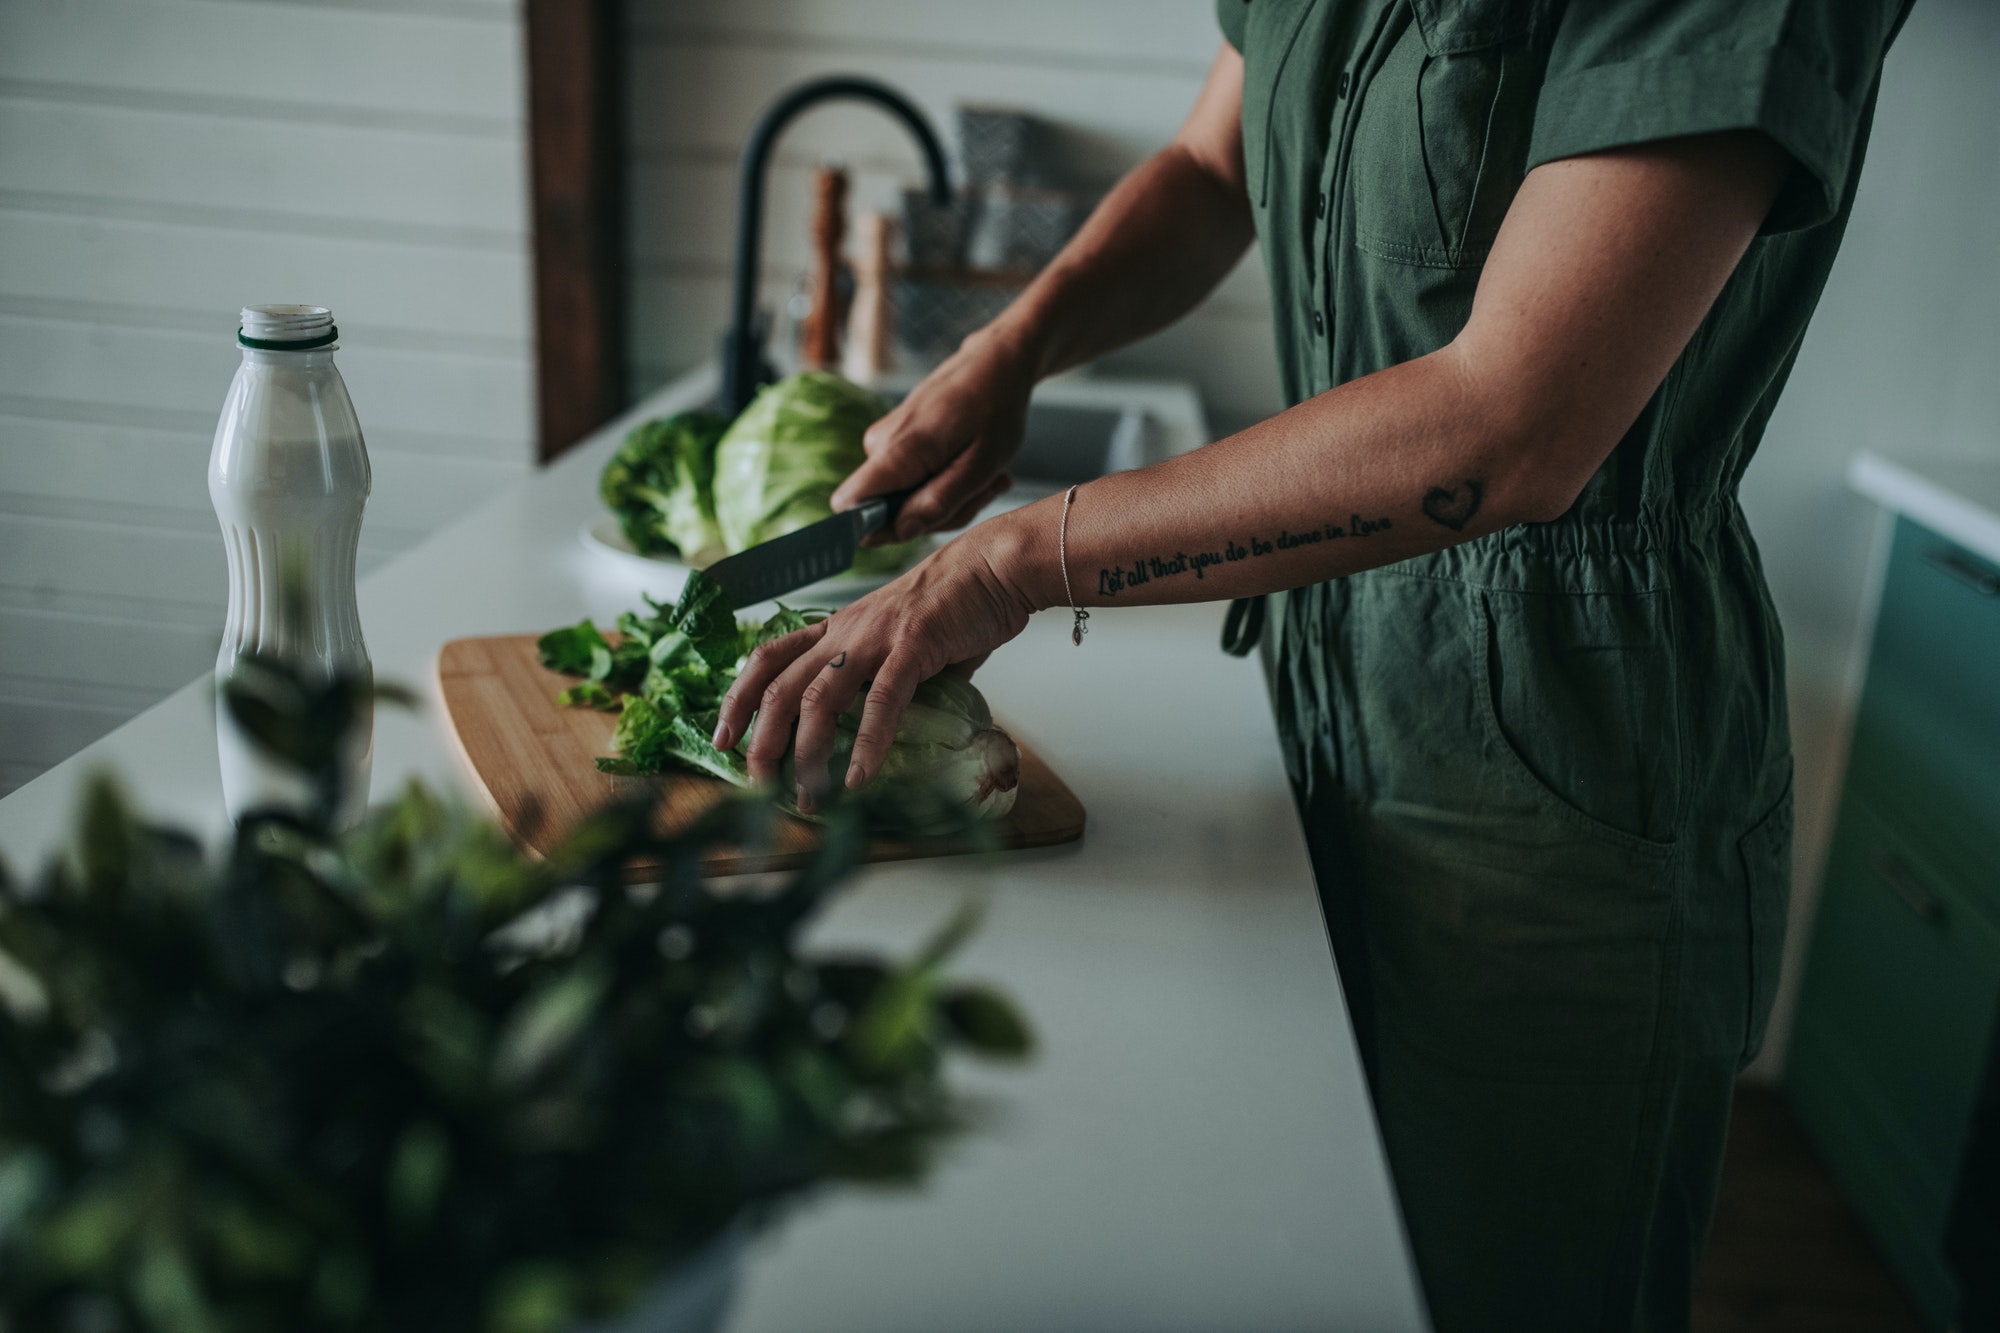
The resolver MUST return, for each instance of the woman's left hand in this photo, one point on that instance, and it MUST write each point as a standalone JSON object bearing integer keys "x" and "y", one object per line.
{"x": 951, "y": 610}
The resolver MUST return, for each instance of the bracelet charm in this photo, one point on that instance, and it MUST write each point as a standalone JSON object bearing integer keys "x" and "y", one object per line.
{"x": 1080, "y": 627}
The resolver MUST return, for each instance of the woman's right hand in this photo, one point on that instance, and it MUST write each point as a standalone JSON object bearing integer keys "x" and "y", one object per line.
{"x": 952, "y": 438}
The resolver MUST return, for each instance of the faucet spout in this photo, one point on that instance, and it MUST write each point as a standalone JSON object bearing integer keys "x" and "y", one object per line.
{"x": 744, "y": 367}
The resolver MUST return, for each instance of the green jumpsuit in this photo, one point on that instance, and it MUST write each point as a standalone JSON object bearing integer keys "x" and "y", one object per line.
{"x": 1546, "y": 775}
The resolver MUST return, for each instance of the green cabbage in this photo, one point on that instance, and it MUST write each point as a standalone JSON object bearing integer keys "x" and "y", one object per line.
{"x": 660, "y": 485}
{"x": 778, "y": 464}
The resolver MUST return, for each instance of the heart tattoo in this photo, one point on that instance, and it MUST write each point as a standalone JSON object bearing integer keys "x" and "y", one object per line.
{"x": 1454, "y": 508}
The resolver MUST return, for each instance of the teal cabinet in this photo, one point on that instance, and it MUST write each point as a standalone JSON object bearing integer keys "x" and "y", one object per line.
{"x": 1927, "y": 730}
{"x": 1901, "y": 988}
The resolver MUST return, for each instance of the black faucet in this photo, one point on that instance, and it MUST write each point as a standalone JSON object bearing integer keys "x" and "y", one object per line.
{"x": 744, "y": 367}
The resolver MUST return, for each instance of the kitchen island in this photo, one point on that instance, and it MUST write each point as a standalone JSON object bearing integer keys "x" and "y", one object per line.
{"x": 1192, "y": 1147}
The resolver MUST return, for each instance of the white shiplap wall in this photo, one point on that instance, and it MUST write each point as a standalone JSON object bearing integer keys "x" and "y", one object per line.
{"x": 163, "y": 163}
{"x": 1117, "y": 76}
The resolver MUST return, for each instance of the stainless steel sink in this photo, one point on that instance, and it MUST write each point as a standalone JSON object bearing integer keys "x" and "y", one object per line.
{"x": 1064, "y": 444}
{"x": 1084, "y": 425}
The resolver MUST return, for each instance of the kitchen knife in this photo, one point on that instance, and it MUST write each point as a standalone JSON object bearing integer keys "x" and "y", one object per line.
{"x": 817, "y": 551}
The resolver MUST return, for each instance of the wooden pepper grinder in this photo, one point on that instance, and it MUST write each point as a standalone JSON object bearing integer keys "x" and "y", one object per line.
{"x": 868, "y": 329}
{"x": 829, "y": 228}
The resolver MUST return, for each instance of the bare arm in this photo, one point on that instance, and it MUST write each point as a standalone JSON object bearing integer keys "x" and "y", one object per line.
{"x": 1602, "y": 271}
{"x": 1154, "y": 248}
{"x": 1156, "y": 245}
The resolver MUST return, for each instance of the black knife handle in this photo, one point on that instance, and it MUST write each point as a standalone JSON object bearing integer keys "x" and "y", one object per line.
{"x": 879, "y": 511}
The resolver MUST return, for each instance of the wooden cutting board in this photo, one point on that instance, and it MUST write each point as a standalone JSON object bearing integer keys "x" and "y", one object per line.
{"x": 535, "y": 763}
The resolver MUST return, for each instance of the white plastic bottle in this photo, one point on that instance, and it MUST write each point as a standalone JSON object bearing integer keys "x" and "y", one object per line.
{"x": 288, "y": 476}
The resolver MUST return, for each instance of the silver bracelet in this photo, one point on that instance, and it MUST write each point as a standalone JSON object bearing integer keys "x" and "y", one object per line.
{"x": 1080, "y": 629}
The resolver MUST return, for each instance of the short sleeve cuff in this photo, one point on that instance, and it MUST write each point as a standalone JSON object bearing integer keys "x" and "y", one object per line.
{"x": 1231, "y": 16}
{"x": 1641, "y": 101}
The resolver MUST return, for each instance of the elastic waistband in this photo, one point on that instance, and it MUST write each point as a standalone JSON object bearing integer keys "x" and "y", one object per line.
{"x": 1584, "y": 556}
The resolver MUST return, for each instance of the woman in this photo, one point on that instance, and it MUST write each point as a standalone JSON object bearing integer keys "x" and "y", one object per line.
{"x": 1538, "y": 275}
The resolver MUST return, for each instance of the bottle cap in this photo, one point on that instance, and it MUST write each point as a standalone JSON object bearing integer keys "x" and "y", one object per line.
{"x": 286, "y": 328}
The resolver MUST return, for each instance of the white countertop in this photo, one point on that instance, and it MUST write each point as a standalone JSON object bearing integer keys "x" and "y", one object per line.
{"x": 1193, "y": 1146}
{"x": 1955, "y": 498}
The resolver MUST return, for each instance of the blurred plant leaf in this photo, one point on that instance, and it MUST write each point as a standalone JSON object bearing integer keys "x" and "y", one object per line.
{"x": 404, "y": 1077}
{"x": 987, "y": 1021}
{"x": 417, "y": 1174}
{"x": 166, "y": 1289}
{"x": 546, "y": 1022}
{"x": 532, "y": 1298}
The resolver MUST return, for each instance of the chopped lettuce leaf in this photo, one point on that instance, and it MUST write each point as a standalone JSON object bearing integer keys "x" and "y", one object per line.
{"x": 691, "y": 744}
{"x": 786, "y": 621}
{"x": 667, "y": 674}
{"x": 571, "y": 650}
{"x": 590, "y": 694}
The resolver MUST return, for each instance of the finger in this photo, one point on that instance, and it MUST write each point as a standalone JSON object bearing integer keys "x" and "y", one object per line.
{"x": 968, "y": 511}
{"x": 944, "y": 494}
{"x": 897, "y": 460}
{"x": 825, "y": 697}
{"x": 763, "y": 665}
{"x": 896, "y": 682}
{"x": 758, "y": 672}
{"x": 883, "y": 432}
{"x": 777, "y": 718}
{"x": 879, "y": 476}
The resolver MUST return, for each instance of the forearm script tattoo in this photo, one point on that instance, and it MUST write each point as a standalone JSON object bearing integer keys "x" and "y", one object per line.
{"x": 1115, "y": 579}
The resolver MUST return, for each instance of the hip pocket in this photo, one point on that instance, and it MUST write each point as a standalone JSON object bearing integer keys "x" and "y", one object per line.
{"x": 1508, "y": 949}
{"x": 1766, "y": 856}
{"x": 1511, "y": 935}
{"x": 1577, "y": 693}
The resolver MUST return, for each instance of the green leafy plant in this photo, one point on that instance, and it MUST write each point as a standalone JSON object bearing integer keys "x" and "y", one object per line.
{"x": 669, "y": 668}
{"x": 406, "y": 1078}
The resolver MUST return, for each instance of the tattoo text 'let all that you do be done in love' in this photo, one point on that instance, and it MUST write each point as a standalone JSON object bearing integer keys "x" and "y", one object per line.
{"x": 1117, "y": 578}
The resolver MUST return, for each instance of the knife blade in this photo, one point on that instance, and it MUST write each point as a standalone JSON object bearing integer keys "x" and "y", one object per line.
{"x": 816, "y": 551}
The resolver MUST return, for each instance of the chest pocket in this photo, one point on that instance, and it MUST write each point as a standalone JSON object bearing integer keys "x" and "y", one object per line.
{"x": 1441, "y": 136}
{"x": 1270, "y": 31}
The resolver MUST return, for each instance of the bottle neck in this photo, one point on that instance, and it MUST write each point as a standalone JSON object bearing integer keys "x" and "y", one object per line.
{"x": 317, "y": 358}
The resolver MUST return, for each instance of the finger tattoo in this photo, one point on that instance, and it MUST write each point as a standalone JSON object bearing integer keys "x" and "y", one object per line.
{"x": 839, "y": 661}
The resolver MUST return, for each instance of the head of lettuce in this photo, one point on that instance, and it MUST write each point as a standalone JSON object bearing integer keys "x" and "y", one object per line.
{"x": 777, "y": 465}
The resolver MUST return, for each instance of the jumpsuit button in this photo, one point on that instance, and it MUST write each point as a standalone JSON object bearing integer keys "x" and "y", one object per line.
{"x": 1344, "y": 77}
{"x": 1319, "y": 324}
{"x": 1320, "y": 208}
